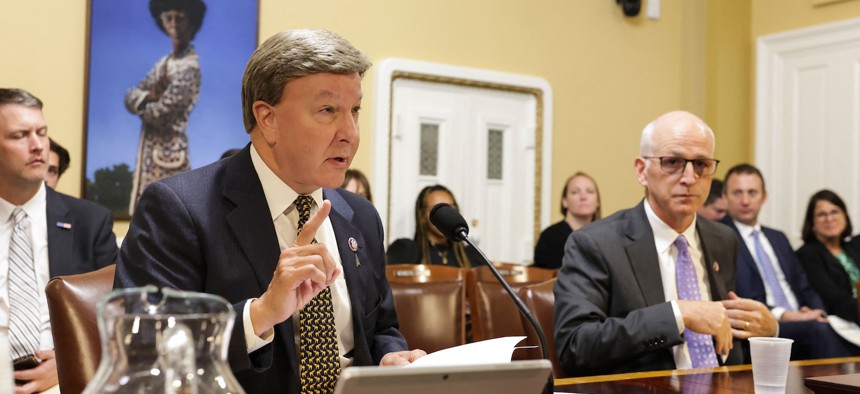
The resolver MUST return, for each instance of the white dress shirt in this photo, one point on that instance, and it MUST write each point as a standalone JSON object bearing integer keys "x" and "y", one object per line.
{"x": 746, "y": 235}
{"x": 280, "y": 198}
{"x": 667, "y": 254}
{"x": 35, "y": 209}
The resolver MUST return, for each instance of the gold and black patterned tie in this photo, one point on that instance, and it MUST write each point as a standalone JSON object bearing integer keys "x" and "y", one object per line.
{"x": 319, "y": 361}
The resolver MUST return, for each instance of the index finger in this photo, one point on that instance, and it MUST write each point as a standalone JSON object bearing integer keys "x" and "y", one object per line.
{"x": 310, "y": 228}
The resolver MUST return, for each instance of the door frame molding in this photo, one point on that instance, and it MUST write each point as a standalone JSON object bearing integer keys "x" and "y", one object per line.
{"x": 392, "y": 69}
{"x": 772, "y": 52}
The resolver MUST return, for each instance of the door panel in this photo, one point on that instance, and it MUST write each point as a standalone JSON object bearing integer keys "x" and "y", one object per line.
{"x": 496, "y": 200}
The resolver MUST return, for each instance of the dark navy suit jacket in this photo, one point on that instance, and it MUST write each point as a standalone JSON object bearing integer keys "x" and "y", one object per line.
{"x": 210, "y": 230}
{"x": 80, "y": 235}
{"x": 749, "y": 282}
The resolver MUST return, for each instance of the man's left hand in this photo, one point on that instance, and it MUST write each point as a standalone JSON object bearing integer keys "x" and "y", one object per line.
{"x": 40, "y": 378}
{"x": 749, "y": 318}
{"x": 400, "y": 359}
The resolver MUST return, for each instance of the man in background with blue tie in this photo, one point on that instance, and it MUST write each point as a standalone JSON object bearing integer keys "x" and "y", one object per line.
{"x": 42, "y": 234}
{"x": 650, "y": 288}
{"x": 768, "y": 271}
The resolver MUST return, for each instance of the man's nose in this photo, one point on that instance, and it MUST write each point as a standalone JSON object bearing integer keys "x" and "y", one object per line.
{"x": 688, "y": 174}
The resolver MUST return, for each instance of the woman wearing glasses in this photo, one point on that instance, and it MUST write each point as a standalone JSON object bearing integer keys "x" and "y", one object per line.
{"x": 830, "y": 262}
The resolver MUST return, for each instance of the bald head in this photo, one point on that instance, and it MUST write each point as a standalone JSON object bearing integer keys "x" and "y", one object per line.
{"x": 675, "y": 125}
{"x": 675, "y": 165}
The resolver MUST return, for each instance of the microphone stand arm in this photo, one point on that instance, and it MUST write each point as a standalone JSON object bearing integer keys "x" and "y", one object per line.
{"x": 520, "y": 305}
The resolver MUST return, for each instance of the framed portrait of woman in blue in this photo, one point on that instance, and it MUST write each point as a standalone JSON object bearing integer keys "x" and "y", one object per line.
{"x": 163, "y": 91}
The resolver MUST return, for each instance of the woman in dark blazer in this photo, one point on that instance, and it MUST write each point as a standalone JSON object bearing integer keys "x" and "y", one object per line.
{"x": 580, "y": 205}
{"x": 830, "y": 262}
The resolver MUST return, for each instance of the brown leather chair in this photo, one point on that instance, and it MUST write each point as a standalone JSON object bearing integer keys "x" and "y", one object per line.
{"x": 540, "y": 299}
{"x": 72, "y": 303}
{"x": 430, "y": 301}
{"x": 494, "y": 313}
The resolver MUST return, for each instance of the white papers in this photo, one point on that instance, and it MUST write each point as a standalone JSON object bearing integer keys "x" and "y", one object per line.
{"x": 491, "y": 351}
{"x": 846, "y": 329}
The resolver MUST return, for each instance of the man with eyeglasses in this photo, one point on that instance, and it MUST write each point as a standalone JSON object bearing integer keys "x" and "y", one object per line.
{"x": 650, "y": 288}
{"x": 768, "y": 271}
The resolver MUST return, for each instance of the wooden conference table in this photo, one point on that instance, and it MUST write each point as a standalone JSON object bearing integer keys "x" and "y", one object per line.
{"x": 733, "y": 379}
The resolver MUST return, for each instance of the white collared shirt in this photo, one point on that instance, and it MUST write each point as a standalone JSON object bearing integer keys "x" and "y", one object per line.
{"x": 746, "y": 235}
{"x": 36, "y": 212}
{"x": 280, "y": 198}
{"x": 667, "y": 254}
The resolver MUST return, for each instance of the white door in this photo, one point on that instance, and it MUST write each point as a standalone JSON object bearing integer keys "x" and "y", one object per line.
{"x": 808, "y": 133}
{"x": 477, "y": 142}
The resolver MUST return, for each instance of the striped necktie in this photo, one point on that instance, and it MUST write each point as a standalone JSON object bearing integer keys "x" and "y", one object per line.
{"x": 23, "y": 293}
{"x": 769, "y": 274}
{"x": 319, "y": 359}
{"x": 701, "y": 346}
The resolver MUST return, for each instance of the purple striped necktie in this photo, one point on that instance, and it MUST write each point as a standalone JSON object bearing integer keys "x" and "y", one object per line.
{"x": 701, "y": 346}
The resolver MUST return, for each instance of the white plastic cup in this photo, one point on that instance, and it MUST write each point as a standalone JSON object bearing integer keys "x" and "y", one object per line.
{"x": 770, "y": 358}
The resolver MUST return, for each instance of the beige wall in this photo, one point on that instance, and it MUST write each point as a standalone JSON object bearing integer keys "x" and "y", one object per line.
{"x": 773, "y": 16}
{"x": 610, "y": 74}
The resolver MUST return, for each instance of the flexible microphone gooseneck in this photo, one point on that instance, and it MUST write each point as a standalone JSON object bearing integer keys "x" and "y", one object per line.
{"x": 454, "y": 227}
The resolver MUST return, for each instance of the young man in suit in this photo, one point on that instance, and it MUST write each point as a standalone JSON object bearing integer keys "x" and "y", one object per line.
{"x": 230, "y": 228}
{"x": 43, "y": 233}
{"x": 650, "y": 287}
{"x": 768, "y": 271}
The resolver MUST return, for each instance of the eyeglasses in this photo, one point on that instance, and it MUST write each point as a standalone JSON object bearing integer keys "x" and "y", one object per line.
{"x": 674, "y": 165}
{"x": 824, "y": 215}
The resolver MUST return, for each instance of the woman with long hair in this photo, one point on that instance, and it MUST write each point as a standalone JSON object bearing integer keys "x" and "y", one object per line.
{"x": 429, "y": 245}
{"x": 831, "y": 263}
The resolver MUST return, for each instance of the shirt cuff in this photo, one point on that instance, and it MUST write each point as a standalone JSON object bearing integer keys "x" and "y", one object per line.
{"x": 777, "y": 312}
{"x": 679, "y": 319}
{"x": 251, "y": 339}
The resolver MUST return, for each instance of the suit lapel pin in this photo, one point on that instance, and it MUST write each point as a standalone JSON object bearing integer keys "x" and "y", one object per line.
{"x": 64, "y": 225}
{"x": 716, "y": 266}
{"x": 353, "y": 246}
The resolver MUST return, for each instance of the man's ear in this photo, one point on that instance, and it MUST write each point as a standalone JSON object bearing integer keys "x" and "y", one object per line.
{"x": 639, "y": 164}
{"x": 266, "y": 122}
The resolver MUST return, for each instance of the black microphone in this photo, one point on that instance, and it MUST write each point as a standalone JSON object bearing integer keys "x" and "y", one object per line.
{"x": 454, "y": 227}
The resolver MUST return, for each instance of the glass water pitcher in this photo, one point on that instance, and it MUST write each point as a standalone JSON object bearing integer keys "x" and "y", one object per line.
{"x": 164, "y": 342}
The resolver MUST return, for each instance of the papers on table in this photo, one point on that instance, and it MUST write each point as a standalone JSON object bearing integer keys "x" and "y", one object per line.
{"x": 491, "y": 351}
{"x": 846, "y": 329}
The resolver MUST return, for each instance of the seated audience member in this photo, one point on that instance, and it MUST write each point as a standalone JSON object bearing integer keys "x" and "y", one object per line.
{"x": 831, "y": 263}
{"x": 580, "y": 205}
{"x": 58, "y": 162}
{"x": 356, "y": 182}
{"x": 431, "y": 245}
{"x": 715, "y": 205}
{"x": 650, "y": 287}
{"x": 43, "y": 234}
{"x": 768, "y": 271}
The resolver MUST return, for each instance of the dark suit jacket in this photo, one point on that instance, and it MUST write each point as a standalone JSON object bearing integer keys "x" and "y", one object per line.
{"x": 749, "y": 281}
{"x": 87, "y": 244}
{"x": 829, "y": 279}
{"x": 210, "y": 230}
{"x": 611, "y": 314}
